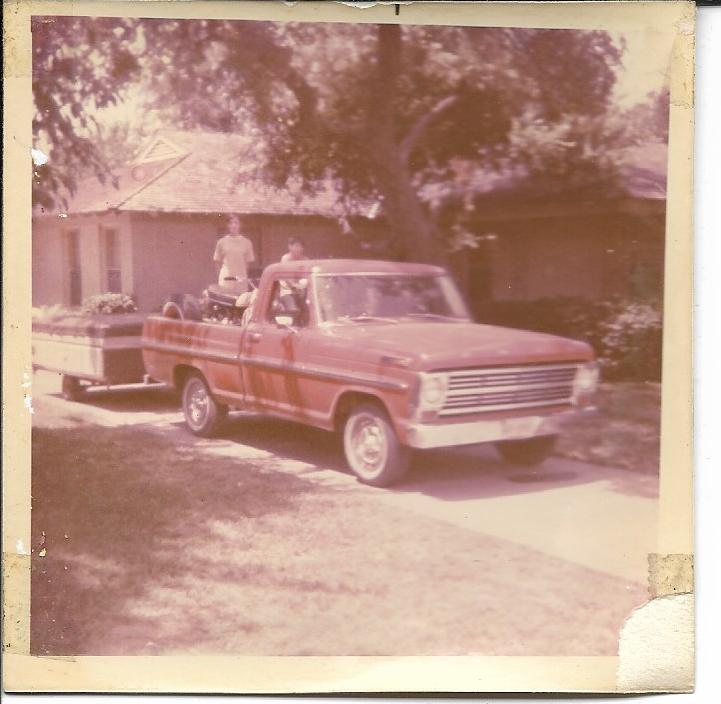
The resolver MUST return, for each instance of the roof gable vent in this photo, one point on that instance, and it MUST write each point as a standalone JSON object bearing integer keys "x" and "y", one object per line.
{"x": 160, "y": 149}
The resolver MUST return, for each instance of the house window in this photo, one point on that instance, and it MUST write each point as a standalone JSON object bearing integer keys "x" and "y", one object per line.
{"x": 72, "y": 253}
{"x": 113, "y": 282}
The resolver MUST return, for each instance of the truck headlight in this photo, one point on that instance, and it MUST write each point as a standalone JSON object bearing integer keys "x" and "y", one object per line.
{"x": 585, "y": 382}
{"x": 432, "y": 392}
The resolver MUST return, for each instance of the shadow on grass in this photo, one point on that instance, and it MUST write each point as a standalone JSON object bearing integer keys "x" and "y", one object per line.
{"x": 132, "y": 399}
{"x": 151, "y": 544}
{"x": 106, "y": 505}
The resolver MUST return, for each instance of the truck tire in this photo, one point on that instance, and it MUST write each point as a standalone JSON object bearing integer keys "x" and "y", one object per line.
{"x": 203, "y": 414}
{"x": 529, "y": 452}
{"x": 72, "y": 389}
{"x": 191, "y": 308}
{"x": 371, "y": 447}
{"x": 185, "y": 307}
{"x": 172, "y": 310}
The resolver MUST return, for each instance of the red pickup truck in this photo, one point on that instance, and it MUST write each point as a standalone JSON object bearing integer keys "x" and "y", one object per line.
{"x": 382, "y": 352}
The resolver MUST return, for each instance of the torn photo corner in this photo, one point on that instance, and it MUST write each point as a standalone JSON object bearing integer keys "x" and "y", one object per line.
{"x": 351, "y": 347}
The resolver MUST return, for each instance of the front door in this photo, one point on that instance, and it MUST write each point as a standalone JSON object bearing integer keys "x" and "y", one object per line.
{"x": 272, "y": 349}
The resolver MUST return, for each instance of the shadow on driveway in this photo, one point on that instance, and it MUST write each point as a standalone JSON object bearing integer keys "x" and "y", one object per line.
{"x": 472, "y": 472}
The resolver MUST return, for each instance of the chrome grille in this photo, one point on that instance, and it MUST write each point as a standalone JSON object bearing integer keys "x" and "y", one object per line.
{"x": 509, "y": 388}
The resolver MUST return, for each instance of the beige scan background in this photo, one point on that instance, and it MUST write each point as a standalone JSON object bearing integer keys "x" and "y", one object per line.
{"x": 656, "y": 644}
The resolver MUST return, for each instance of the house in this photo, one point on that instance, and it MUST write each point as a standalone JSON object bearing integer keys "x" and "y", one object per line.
{"x": 594, "y": 244}
{"x": 153, "y": 234}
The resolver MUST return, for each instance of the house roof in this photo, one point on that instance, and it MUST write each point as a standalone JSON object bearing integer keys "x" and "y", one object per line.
{"x": 199, "y": 172}
{"x": 212, "y": 172}
{"x": 641, "y": 174}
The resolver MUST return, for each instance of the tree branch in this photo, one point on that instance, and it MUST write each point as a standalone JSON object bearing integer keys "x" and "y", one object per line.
{"x": 422, "y": 124}
{"x": 305, "y": 94}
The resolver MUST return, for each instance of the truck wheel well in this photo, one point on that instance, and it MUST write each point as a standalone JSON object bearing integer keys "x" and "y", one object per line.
{"x": 348, "y": 401}
{"x": 181, "y": 373}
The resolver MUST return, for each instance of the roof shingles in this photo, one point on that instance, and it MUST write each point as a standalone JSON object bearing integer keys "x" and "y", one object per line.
{"x": 215, "y": 174}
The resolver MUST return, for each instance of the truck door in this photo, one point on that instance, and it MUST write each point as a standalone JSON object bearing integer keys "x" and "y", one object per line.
{"x": 220, "y": 346}
{"x": 272, "y": 346}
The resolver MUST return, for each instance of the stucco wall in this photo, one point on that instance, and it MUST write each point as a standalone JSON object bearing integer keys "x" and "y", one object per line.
{"x": 51, "y": 266}
{"x": 47, "y": 266}
{"x": 173, "y": 253}
{"x": 322, "y": 237}
{"x": 593, "y": 257}
{"x": 163, "y": 254}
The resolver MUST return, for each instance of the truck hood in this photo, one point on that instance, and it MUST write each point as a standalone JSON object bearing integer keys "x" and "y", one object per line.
{"x": 429, "y": 346}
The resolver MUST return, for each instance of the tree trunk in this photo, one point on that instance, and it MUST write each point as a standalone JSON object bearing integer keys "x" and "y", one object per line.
{"x": 414, "y": 234}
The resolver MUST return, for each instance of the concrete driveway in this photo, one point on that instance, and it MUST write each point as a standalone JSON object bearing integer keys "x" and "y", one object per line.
{"x": 593, "y": 516}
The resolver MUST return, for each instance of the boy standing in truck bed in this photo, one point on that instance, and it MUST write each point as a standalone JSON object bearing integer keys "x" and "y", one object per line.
{"x": 234, "y": 252}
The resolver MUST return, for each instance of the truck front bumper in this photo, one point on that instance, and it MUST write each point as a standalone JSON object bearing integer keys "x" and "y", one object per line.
{"x": 427, "y": 435}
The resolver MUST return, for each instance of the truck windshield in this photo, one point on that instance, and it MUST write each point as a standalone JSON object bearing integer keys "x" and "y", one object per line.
{"x": 383, "y": 297}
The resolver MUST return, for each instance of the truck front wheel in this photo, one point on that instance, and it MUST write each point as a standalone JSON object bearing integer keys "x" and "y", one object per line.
{"x": 202, "y": 412}
{"x": 527, "y": 452}
{"x": 372, "y": 448}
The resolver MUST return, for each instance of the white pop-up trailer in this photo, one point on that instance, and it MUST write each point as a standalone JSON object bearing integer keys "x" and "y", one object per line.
{"x": 89, "y": 350}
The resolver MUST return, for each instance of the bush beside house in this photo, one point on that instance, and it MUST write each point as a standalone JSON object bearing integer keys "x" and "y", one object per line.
{"x": 108, "y": 304}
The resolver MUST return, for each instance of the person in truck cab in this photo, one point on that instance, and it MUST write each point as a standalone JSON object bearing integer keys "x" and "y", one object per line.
{"x": 233, "y": 253}
{"x": 292, "y": 293}
{"x": 296, "y": 250}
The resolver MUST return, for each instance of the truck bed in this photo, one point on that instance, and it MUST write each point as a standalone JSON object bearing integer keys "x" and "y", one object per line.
{"x": 171, "y": 346}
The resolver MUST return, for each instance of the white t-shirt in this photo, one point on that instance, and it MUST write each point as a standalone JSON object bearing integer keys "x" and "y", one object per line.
{"x": 233, "y": 253}
{"x": 288, "y": 287}
{"x": 288, "y": 257}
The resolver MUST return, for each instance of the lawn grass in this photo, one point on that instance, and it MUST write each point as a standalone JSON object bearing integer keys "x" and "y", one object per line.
{"x": 145, "y": 544}
{"x": 625, "y": 432}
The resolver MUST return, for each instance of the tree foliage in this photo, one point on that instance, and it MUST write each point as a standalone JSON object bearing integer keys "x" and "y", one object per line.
{"x": 80, "y": 66}
{"x": 382, "y": 109}
{"x": 389, "y": 113}
{"x": 648, "y": 120}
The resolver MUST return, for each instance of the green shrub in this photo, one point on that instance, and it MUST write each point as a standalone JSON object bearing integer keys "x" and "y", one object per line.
{"x": 631, "y": 344}
{"x": 626, "y": 335}
{"x": 108, "y": 304}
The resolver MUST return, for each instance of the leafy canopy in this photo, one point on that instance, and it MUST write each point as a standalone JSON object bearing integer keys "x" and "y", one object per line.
{"x": 309, "y": 87}
{"x": 80, "y": 66}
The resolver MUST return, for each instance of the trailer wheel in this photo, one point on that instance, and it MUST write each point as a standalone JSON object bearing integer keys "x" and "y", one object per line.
{"x": 372, "y": 448}
{"x": 203, "y": 413}
{"x": 72, "y": 389}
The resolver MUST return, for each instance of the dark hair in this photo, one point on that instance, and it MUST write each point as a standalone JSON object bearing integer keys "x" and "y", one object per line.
{"x": 295, "y": 240}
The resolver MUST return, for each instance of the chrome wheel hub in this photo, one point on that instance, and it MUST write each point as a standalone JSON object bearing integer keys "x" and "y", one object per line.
{"x": 368, "y": 445}
{"x": 197, "y": 404}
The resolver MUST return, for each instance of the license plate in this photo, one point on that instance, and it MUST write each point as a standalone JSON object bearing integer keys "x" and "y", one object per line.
{"x": 520, "y": 427}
